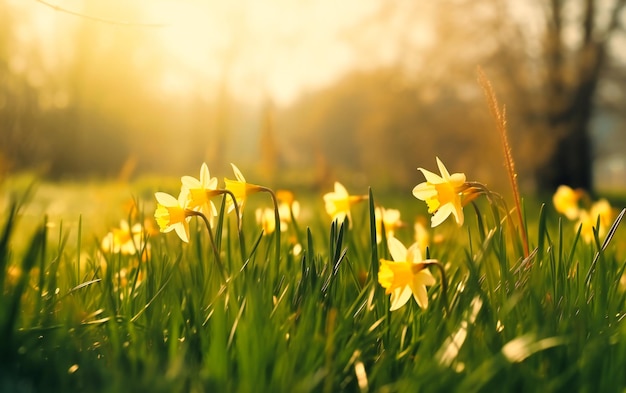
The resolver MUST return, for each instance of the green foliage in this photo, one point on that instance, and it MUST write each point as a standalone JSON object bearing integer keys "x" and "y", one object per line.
{"x": 165, "y": 318}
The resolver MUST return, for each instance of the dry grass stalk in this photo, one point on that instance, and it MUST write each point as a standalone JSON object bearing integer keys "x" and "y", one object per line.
{"x": 499, "y": 115}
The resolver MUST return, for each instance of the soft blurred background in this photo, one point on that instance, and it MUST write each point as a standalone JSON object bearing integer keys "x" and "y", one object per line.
{"x": 302, "y": 93}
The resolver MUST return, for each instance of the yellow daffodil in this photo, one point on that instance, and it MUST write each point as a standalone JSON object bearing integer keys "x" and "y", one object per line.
{"x": 442, "y": 194}
{"x": 391, "y": 220}
{"x": 568, "y": 202}
{"x": 406, "y": 275}
{"x": 286, "y": 208}
{"x": 338, "y": 202}
{"x": 565, "y": 201}
{"x": 199, "y": 191}
{"x": 125, "y": 240}
{"x": 170, "y": 214}
{"x": 589, "y": 219}
{"x": 266, "y": 218}
{"x": 422, "y": 236}
{"x": 239, "y": 188}
{"x": 285, "y": 196}
{"x": 285, "y": 211}
{"x": 287, "y": 205}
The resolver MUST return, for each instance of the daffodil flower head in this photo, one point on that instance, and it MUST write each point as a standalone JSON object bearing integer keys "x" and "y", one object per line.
{"x": 422, "y": 236}
{"x": 287, "y": 206}
{"x": 266, "y": 218}
{"x": 443, "y": 194}
{"x": 338, "y": 202}
{"x": 600, "y": 210}
{"x": 124, "y": 239}
{"x": 198, "y": 192}
{"x": 406, "y": 275}
{"x": 239, "y": 188}
{"x": 391, "y": 220}
{"x": 285, "y": 196}
{"x": 566, "y": 201}
{"x": 170, "y": 214}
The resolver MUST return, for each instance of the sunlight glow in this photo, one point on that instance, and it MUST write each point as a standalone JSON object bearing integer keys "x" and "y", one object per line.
{"x": 275, "y": 48}
{"x": 257, "y": 50}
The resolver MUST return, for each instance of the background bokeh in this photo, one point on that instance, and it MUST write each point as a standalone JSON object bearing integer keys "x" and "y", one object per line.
{"x": 304, "y": 93}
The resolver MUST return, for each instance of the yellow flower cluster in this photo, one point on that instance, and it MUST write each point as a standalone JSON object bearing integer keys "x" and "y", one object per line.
{"x": 408, "y": 273}
{"x": 577, "y": 206}
{"x": 173, "y": 214}
{"x": 403, "y": 276}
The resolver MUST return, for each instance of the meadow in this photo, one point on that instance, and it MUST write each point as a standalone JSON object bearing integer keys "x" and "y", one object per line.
{"x": 199, "y": 284}
{"x": 241, "y": 306}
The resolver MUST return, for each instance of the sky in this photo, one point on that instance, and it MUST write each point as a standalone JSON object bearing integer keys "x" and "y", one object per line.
{"x": 275, "y": 48}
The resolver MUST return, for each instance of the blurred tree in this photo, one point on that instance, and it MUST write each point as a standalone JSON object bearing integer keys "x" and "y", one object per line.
{"x": 557, "y": 70}
{"x": 546, "y": 59}
{"x": 375, "y": 128}
{"x": 19, "y": 99}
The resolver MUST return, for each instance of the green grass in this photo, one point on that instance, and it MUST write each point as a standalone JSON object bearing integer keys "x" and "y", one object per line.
{"x": 317, "y": 321}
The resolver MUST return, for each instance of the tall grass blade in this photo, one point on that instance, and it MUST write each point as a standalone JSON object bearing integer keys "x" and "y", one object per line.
{"x": 607, "y": 240}
{"x": 373, "y": 241}
{"x": 11, "y": 308}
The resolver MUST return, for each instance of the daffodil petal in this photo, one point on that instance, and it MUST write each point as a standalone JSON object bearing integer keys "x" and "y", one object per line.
{"x": 431, "y": 177}
{"x": 442, "y": 213}
{"x": 399, "y": 297}
{"x": 182, "y": 230}
{"x": 205, "y": 176}
{"x": 211, "y": 184}
{"x": 424, "y": 191}
{"x": 442, "y": 169}
{"x": 425, "y": 277}
{"x": 457, "y": 179}
{"x": 168, "y": 229}
{"x": 190, "y": 182}
{"x": 396, "y": 249}
{"x": 238, "y": 173}
{"x": 420, "y": 295}
{"x": 413, "y": 253}
{"x": 165, "y": 199}
{"x": 458, "y": 214}
{"x": 340, "y": 190}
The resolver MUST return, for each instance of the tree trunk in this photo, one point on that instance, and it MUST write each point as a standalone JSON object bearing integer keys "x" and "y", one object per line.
{"x": 570, "y": 162}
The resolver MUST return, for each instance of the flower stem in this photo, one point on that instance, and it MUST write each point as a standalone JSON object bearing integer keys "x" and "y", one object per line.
{"x": 242, "y": 243}
{"x": 215, "y": 250}
{"x": 276, "y": 219}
